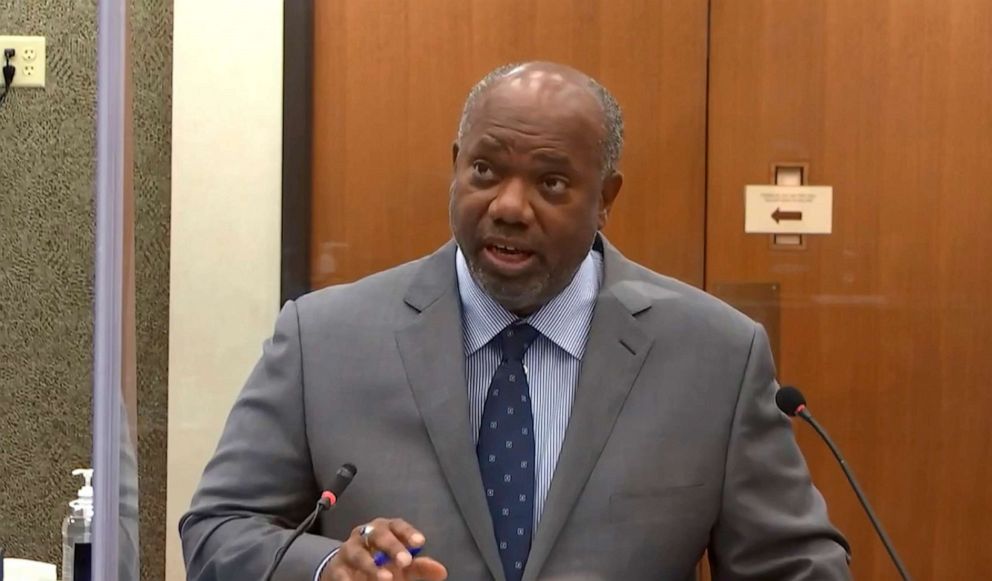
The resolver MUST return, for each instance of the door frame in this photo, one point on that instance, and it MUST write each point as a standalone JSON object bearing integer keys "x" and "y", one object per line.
{"x": 297, "y": 145}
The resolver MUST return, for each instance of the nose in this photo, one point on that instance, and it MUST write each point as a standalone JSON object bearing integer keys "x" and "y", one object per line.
{"x": 512, "y": 203}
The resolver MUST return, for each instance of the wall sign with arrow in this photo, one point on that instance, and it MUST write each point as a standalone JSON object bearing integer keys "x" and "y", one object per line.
{"x": 788, "y": 209}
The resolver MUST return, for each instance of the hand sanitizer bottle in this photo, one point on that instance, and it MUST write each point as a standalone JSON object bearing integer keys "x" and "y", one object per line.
{"x": 77, "y": 532}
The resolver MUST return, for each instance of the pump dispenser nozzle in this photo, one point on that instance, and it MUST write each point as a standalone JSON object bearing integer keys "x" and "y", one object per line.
{"x": 87, "y": 490}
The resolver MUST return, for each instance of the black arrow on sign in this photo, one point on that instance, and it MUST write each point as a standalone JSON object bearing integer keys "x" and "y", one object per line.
{"x": 779, "y": 215}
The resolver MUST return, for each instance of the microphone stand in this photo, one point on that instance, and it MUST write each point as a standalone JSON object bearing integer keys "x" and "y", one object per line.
{"x": 805, "y": 415}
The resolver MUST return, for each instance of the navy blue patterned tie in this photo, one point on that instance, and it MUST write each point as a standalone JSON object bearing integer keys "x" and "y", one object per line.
{"x": 506, "y": 451}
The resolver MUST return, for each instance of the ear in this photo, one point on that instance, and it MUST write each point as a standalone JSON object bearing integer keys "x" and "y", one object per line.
{"x": 454, "y": 153}
{"x": 611, "y": 189}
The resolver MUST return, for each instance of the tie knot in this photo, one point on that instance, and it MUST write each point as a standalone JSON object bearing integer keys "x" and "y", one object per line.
{"x": 515, "y": 339}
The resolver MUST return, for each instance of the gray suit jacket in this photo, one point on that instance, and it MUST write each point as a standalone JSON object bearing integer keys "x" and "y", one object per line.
{"x": 674, "y": 443}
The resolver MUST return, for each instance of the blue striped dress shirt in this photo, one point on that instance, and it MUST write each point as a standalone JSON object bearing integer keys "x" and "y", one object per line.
{"x": 552, "y": 363}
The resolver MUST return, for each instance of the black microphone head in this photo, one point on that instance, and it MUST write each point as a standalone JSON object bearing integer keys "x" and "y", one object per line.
{"x": 790, "y": 400}
{"x": 342, "y": 479}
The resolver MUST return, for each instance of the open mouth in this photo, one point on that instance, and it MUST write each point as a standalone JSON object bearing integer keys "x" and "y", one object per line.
{"x": 507, "y": 257}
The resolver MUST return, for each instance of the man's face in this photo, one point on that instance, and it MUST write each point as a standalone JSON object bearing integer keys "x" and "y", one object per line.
{"x": 528, "y": 194}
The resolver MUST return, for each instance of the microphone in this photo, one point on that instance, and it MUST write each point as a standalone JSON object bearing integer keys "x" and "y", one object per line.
{"x": 328, "y": 500}
{"x": 792, "y": 403}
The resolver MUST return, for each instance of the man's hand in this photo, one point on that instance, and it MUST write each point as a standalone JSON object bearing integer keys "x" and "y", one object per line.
{"x": 354, "y": 562}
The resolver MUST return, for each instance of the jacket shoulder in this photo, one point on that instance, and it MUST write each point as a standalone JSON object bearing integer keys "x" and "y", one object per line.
{"x": 675, "y": 302}
{"x": 367, "y": 299}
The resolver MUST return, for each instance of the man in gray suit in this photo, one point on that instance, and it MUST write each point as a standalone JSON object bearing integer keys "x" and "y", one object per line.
{"x": 523, "y": 404}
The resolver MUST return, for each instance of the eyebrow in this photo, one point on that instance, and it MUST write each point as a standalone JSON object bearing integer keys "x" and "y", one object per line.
{"x": 490, "y": 143}
{"x": 554, "y": 158}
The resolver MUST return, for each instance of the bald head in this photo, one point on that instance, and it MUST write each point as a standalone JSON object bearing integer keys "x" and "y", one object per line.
{"x": 546, "y": 81}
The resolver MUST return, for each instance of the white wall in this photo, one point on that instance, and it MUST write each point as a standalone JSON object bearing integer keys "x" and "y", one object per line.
{"x": 226, "y": 204}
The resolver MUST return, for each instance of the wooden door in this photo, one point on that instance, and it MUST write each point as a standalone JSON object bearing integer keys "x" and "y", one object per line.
{"x": 390, "y": 77}
{"x": 886, "y": 323}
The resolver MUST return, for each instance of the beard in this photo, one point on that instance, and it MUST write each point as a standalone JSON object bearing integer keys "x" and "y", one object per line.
{"x": 521, "y": 297}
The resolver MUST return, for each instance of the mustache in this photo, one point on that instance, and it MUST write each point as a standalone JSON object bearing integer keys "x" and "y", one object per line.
{"x": 504, "y": 233}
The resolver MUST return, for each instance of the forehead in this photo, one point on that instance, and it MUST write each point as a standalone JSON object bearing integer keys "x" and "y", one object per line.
{"x": 538, "y": 110}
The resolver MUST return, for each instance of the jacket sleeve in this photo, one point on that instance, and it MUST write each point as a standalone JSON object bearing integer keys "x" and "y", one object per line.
{"x": 259, "y": 485}
{"x": 773, "y": 522}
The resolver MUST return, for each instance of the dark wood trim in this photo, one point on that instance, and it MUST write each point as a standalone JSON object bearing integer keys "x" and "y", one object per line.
{"x": 297, "y": 114}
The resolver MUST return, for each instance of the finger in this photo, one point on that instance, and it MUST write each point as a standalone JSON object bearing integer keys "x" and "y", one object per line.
{"x": 427, "y": 569}
{"x": 384, "y": 539}
{"x": 355, "y": 556}
{"x": 406, "y": 533}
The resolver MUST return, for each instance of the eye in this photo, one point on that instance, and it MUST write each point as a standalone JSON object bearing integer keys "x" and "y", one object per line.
{"x": 554, "y": 185}
{"x": 482, "y": 171}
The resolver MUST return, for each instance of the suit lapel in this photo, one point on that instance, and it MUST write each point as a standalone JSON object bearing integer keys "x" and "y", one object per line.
{"x": 615, "y": 352}
{"x": 433, "y": 354}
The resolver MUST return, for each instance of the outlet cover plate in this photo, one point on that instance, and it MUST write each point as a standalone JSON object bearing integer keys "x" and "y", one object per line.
{"x": 29, "y": 58}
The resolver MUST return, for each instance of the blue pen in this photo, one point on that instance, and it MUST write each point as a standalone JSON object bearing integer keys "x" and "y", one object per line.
{"x": 381, "y": 558}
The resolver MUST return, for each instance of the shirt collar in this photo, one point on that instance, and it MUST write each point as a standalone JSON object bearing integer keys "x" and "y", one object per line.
{"x": 564, "y": 320}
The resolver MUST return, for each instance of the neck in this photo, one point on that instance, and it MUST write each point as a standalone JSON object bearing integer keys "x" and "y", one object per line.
{"x": 524, "y": 313}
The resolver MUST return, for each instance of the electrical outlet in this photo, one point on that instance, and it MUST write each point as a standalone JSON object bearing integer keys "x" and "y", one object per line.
{"x": 29, "y": 59}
